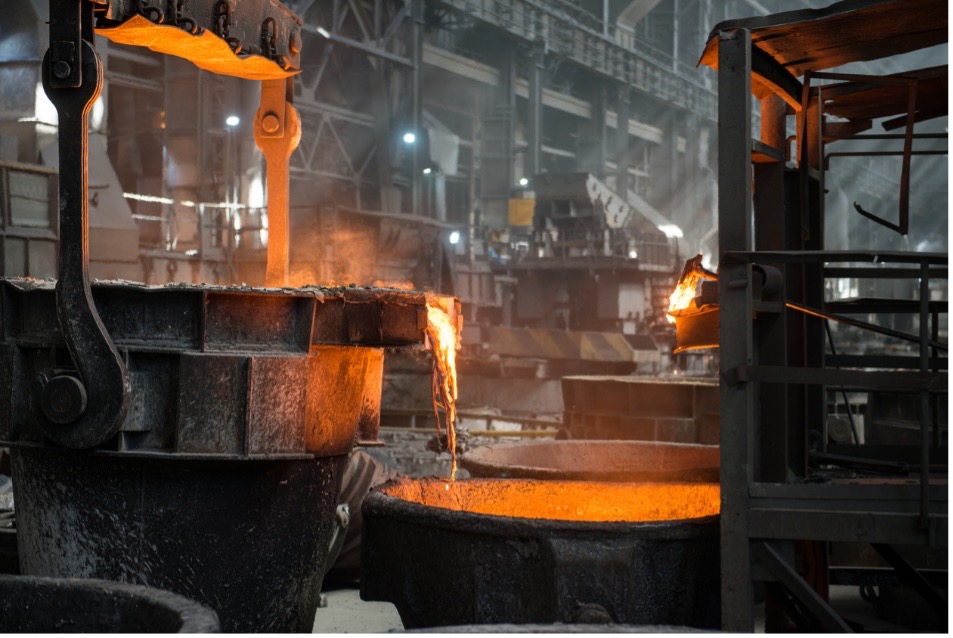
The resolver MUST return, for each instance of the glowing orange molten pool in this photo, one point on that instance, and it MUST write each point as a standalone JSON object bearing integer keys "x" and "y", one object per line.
{"x": 443, "y": 339}
{"x": 564, "y": 500}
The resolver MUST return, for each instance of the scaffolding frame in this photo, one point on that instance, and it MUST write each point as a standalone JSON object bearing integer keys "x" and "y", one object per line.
{"x": 772, "y": 394}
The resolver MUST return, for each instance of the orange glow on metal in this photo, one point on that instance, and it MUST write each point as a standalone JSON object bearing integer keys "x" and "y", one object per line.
{"x": 443, "y": 339}
{"x": 564, "y": 500}
{"x": 399, "y": 284}
{"x": 684, "y": 294}
{"x": 206, "y": 51}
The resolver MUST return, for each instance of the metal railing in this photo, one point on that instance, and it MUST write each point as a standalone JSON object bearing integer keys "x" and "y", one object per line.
{"x": 643, "y": 249}
{"x": 583, "y": 38}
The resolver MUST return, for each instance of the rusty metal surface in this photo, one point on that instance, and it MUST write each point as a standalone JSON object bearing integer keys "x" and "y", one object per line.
{"x": 89, "y": 390}
{"x": 369, "y": 424}
{"x": 844, "y": 32}
{"x": 247, "y": 539}
{"x": 443, "y": 567}
{"x": 697, "y": 329}
{"x": 642, "y": 461}
{"x": 211, "y": 414}
{"x": 170, "y": 316}
{"x": 220, "y": 371}
{"x": 675, "y": 409}
{"x": 251, "y": 39}
{"x": 31, "y": 604}
{"x": 341, "y": 392}
{"x": 868, "y": 100}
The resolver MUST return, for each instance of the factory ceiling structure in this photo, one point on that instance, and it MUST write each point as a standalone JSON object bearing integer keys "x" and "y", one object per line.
{"x": 492, "y": 95}
{"x": 660, "y": 286}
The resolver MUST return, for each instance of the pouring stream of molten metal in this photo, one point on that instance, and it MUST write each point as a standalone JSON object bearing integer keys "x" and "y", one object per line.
{"x": 443, "y": 343}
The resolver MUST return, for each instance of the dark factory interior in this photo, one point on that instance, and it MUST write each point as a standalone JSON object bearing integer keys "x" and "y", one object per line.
{"x": 476, "y": 316}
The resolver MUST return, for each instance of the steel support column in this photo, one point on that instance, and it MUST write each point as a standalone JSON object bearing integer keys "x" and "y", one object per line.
{"x": 738, "y": 419}
{"x": 534, "y": 110}
{"x": 815, "y": 335}
{"x": 771, "y": 560}
{"x": 496, "y": 145}
{"x": 925, "y": 412}
{"x": 770, "y": 235}
{"x": 592, "y": 142}
{"x": 417, "y": 48}
{"x": 622, "y": 140}
{"x": 665, "y": 166}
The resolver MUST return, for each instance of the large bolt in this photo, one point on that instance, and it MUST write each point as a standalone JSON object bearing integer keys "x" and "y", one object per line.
{"x": 63, "y": 399}
{"x": 270, "y": 123}
{"x": 62, "y": 69}
{"x": 294, "y": 42}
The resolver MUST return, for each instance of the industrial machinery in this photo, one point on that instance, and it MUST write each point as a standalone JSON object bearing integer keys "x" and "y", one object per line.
{"x": 188, "y": 437}
{"x": 794, "y": 492}
{"x": 30, "y": 604}
{"x": 592, "y": 260}
{"x": 485, "y": 551}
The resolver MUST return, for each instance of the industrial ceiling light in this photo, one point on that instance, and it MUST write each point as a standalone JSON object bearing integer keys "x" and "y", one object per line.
{"x": 671, "y": 230}
{"x": 232, "y": 120}
{"x": 427, "y": 171}
{"x": 524, "y": 181}
{"x": 323, "y": 31}
{"x": 454, "y": 237}
{"x": 409, "y": 138}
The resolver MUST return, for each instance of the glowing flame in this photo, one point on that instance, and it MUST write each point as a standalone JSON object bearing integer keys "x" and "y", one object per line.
{"x": 683, "y": 294}
{"x": 692, "y": 274}
{"x": 443, "y": 343}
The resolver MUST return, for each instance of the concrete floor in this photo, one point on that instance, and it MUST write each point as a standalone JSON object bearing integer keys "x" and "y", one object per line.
{"x": 346, "y": 613}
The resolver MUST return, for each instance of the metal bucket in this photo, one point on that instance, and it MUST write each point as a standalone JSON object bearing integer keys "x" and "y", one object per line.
{"x": 220, "y": 482}
{"x": 247, "y": 538}
{"x": 648, "y": 461}
{"x": 47, "y": 605}
{"x": 431, "y": 549}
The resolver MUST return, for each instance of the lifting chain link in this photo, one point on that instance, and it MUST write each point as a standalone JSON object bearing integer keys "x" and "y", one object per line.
{"x": 222, "y": 17}
{"x": 149, "y": 12}
{"x": 269, "y": 36}
{"x": 176, "y": 9}
{"x": 269, "y": 44}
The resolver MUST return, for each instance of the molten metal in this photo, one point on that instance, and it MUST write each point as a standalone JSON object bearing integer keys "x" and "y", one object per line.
{"x": 443, "y": 339}
{"x": 565, "y": 500}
